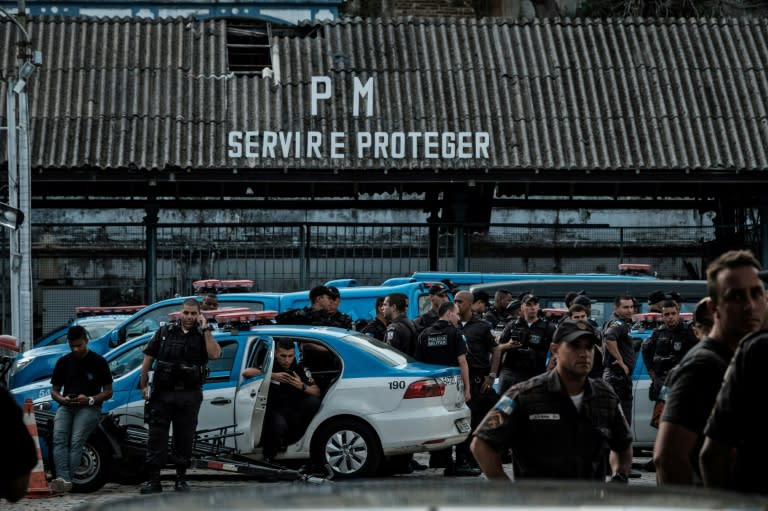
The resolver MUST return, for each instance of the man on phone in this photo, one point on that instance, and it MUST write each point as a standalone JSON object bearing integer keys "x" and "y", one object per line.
{"x": 178, "y": 354}
{"x": 81, "y": 381}
{"x": 292, "y": 402}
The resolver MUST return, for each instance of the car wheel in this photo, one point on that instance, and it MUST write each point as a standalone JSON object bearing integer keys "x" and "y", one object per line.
{"x": 351, "y": 448}
{"x": 95, "y": 466}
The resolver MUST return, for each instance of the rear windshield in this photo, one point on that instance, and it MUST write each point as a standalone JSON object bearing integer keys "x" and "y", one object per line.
{"x": 385, "y": 353}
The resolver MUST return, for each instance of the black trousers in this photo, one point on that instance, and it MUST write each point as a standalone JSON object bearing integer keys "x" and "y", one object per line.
{"x": 180, "y": 408}
{"x": 284, "y": 425}
{"x": 479, "y": 406}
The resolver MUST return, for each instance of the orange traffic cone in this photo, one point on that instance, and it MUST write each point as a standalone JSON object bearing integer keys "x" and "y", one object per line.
{"x": 38, "y": 485}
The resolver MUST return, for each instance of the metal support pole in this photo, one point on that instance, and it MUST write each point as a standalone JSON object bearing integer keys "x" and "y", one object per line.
{"x": 150, "y": 277}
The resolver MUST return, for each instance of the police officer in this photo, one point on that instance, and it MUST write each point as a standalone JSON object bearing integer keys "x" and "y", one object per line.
{"x": 401, "y": 332}
{"x": 335, "y": 316}
{"x": 377, "y": 327}
{"x": 619, "y": 354}
{"x": 560, "y": 424}
{"x": 523, "y": 346}
{"x": 318, "y": 312}
{"x": 178, "y": 353}
{"x": 292, "y": 402}
{"x": 499, "y": 315}
{"x": 438, "y": 295}
{"x": 480, "y": 346}
{"x": 666, "y": 346}
{"x": 443, "y": 344}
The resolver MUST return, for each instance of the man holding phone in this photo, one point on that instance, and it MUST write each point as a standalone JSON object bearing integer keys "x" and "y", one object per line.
{"x": 81, "y": 381}
{"x": 178, "y": 354}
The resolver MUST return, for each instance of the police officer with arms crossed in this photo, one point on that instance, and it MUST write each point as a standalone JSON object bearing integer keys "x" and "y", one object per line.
{"x": 619, "y": 352}
{"x": 401, "y": 332}
{"x": 559, "y": 424}
{"x": 178, "y": 353}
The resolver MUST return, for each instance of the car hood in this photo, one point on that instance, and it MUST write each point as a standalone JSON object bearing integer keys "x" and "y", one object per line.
{"x": 39, "y": 390}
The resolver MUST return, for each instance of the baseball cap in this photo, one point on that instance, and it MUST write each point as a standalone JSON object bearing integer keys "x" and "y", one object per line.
{"x": 570, "y": 330}
{"x": 513, "y": 305}
{"x": 334, "y": 292}
{"x": 656, "y": 296}
{"x": 530, "y": 298}
{"x": 583, "y": 300}
{"x": 318, "y": 291}
{"x": 438, "y": 289}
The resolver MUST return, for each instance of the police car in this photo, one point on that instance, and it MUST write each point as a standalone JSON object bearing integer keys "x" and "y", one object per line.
{"x": 97, "y": 321}
{"x": 377, "y": 402}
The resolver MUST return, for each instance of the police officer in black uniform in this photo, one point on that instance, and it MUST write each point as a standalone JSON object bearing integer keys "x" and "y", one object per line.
{"x": 666, "y": 346}
{"x": 480, "y": 346}
{"x": 523, "y": 346}
{"x": 292, "y": 401}
{"x": 619, "y": 352}
{"x": 318, "y": 312}
{"x": 499, "y": 315}
{"x": 401, "y": 332}
{"x": 438, "y": 295}
{"x": 443, "y": 344}
{"x": 178, "y": 353}
{"x": 377, "y": 327}
{"x": 560, "y": 424}
{"x": 335, "y": 316}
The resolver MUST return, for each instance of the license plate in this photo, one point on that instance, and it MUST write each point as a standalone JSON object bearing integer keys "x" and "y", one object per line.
{"x": 463, "y": 425}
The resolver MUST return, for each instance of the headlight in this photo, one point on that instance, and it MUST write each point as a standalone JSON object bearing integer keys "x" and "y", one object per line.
{"x": 18, "y": 365}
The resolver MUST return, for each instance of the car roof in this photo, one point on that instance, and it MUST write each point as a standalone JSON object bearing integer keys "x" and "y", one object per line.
{"x": 690, "y": 289}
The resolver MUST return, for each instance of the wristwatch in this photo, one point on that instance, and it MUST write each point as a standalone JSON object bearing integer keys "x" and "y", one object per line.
{"x": 303, "y": 387}
{"x": 91, "y": 401}
{"x": 492, "y": 375}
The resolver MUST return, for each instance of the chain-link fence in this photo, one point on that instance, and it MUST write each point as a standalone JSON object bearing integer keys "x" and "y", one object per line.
{"x": 110, "y": 260}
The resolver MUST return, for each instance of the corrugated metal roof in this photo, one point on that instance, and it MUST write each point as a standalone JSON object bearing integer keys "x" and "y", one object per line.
{"x": 554, "y": 94}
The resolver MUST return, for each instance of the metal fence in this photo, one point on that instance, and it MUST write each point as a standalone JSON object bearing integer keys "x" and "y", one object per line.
{"x": 110, "y": 260}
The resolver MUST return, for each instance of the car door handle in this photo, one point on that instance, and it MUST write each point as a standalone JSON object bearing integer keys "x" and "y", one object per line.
{"x": 253, "y": 393}
{"x": 221, "y": 401}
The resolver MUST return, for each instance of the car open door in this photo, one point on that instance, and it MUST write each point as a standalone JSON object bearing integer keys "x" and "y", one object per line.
{"x": 251, "y": 397}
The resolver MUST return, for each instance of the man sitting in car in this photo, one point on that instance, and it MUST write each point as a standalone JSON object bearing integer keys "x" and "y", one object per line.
{"x": 292, "y": 402}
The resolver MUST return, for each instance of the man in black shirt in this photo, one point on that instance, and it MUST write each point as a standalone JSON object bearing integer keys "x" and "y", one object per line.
{"x": 438, "y": 295}
{"x": 619, "y": 352}
{"x": 443, "y": 344}
{"x": 523, "y": 346}
{"x": 377, "y": 327}
{"x": 292, "y": 402}
{"x": 739, "y": 306}
{"x": 178, "y": 354}
{"x": 499, "y": 315}
{"x": 666, "y": 346}
{"x": 81, "y": 381}
{"x": 737, "y": 422}
{"x": 560, "y": 424}
{"x": 401, "y": 332}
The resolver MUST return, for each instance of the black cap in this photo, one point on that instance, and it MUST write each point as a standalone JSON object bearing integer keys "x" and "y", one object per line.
{"x": 763, "y": 275}
{"x": 481, "y": 296}
{"x": 438, "y": 289}
{"x": 514, "y": 305}
{"x": 656, "y": 296}
{"x": 675, "y": 297}
{"x": 334, "y": 292}
{"x": 701, "y": 314}
{"x": 319, "y": 291}
{"x": 570, "y": 330}
{"x": 583, "y": 300}
{"x": 530, "y": 298}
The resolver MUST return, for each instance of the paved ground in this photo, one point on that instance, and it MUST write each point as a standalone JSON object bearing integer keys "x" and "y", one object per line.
{"x": 201, "y": 481}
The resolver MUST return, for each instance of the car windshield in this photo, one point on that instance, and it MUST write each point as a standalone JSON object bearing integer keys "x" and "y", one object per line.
{"x": 381, "y": 351}
{"x": 127, "y": 361}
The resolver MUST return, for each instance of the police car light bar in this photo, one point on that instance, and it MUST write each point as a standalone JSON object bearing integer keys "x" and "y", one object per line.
{"x": 217, "y": 285}
{"x": 245, "y": 317}
{"x": 101, "y": 311}
{"x": 211, "y": 314}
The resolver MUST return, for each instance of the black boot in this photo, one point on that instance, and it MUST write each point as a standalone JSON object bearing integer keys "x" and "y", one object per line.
{"x": 152, "y": 485}
{"x": 181, "y": 481}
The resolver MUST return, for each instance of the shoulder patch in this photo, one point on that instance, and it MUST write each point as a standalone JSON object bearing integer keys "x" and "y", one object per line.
{"x": 506, "y": 405}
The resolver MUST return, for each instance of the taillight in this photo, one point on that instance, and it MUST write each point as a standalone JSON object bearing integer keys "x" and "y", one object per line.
{"x": 424, "y": 388}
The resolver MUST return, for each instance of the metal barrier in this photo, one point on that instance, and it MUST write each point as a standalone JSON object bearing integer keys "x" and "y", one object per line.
{"x": 112, "y": 258}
